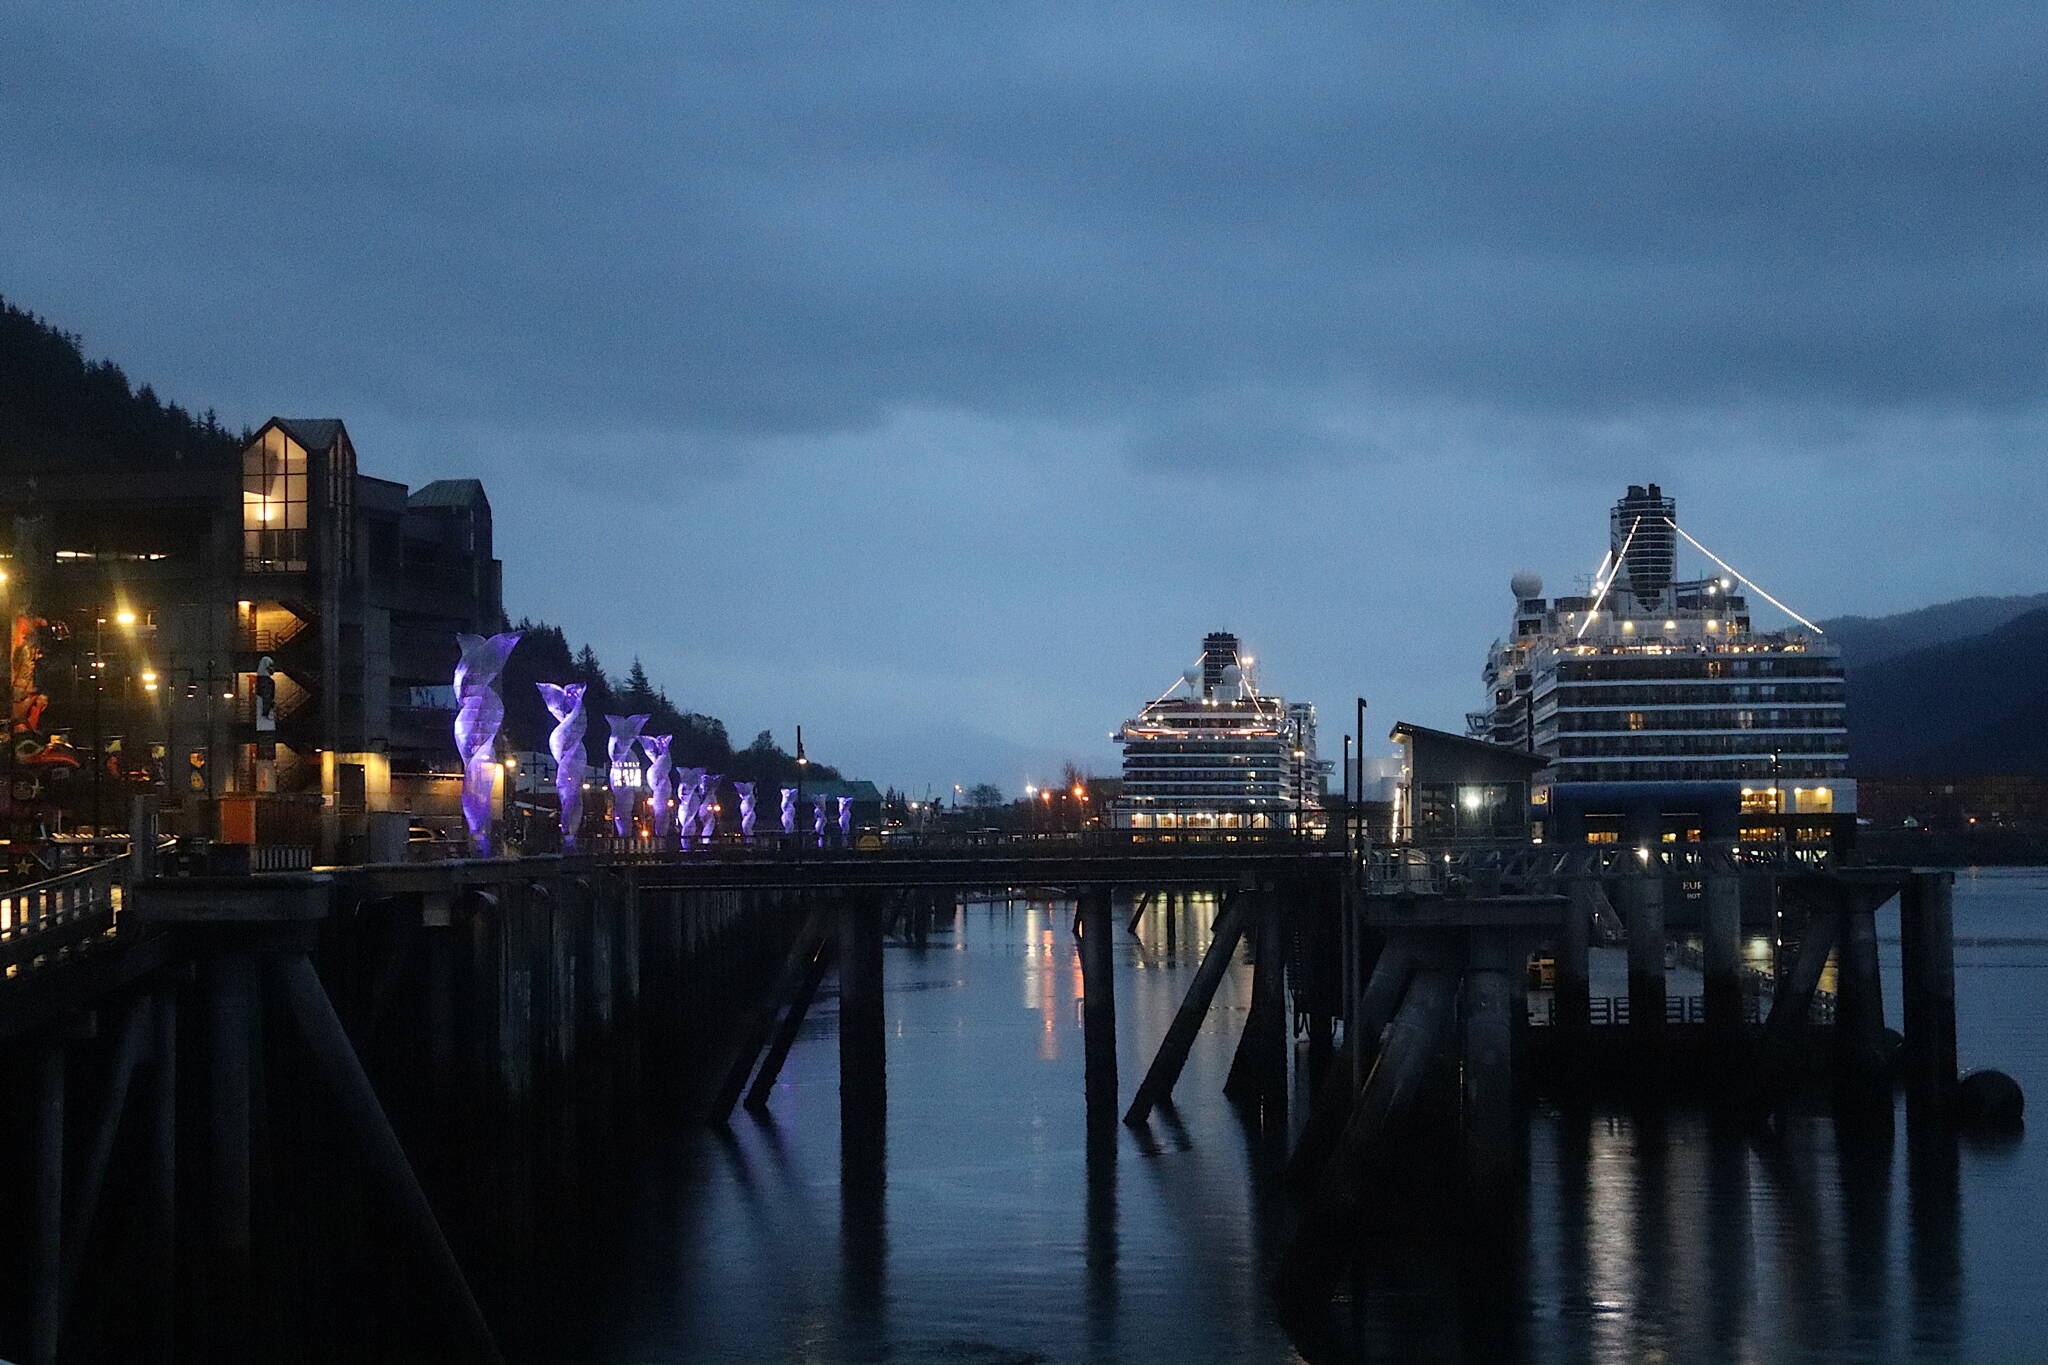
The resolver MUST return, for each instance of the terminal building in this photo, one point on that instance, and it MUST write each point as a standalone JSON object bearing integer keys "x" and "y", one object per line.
{"x": 1654, "y": 702}
{"x": 1215, "y": 753}
{"x": 263, "y": 621}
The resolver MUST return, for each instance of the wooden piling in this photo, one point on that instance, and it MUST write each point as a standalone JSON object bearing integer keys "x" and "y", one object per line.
{"x": 1258, "y": 1069}
{"x": 759, "y": 1023}
{"x": 823, "y": 953}
{"x": 1098, "y": 1009}
{"x": 385, "y": 1160}
{"x": 1157, "y": 1087}
{"x": 1927, "y": 954}
{"x": 1646, "y": 952}
{"x": 863, "y": 1075}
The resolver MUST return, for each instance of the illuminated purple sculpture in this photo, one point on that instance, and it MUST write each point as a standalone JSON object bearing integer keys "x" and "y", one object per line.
{"x": 565, "y": 704}
{"x": 846, "y": 817}
{"x": 789, "y": 810}
{"x": 707, "y": 807}
{"x": 746, "y": 791}
{"x": 625, "y": 773}
{"x": 479, "y": 713}
{"x": 821, "y": 817}
{"x": 660, "y": 782}
{"x": 686, "y": 802}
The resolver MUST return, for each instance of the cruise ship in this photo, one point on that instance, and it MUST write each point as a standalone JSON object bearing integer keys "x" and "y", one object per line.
{"x": 1650, "y": 678}
{"x": 1215, "y": 753}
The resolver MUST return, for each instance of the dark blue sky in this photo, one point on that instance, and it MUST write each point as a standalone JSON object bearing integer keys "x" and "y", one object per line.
{"x": 936, "y": 375}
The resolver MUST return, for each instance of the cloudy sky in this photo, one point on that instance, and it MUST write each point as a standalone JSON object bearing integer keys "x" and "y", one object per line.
{"x": 935, "y": 375}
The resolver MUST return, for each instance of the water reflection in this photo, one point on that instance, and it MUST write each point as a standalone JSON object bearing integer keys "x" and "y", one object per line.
{"x": 984, "y": 1217}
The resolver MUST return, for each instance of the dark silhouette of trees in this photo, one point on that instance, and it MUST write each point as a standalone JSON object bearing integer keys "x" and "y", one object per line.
{"x": 58, "y": 408}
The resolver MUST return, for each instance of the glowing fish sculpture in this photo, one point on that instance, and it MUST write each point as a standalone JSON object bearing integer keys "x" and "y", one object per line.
{"x": 565, "y": 704}
{"x": 846, "y": 817}
{"x": 660, "y": 782}
{"x": 625, "y": 773}
{"x": 479, "y": 714}
{"x": 746, "y": 791}
{"x": 789, "y": 810}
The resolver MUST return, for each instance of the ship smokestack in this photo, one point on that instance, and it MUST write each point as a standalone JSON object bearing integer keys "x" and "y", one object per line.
{"x": 1642, "y": 521}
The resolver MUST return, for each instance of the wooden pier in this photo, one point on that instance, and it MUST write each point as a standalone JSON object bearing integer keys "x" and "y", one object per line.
{"x": 238, "y": 1085}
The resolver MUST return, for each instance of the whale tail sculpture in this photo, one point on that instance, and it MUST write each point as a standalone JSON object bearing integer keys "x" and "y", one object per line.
{"x": 565, "y": 704}
{"x": 689, "y": 784}
{"x": 660, "y": 782}
{"x": 746, "y": 791}
{"x": 625, "y": 780}
{"x": 707, "y": 808}
{"x": 479, "y": 714}
{"x": 789, "y": 810}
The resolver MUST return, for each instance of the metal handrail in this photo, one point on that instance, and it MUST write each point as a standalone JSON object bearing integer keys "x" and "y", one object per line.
{"x": 61, "y": 911}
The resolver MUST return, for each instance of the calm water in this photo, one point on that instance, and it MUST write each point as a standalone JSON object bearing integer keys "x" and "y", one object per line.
{"x": 988, "y": 1235}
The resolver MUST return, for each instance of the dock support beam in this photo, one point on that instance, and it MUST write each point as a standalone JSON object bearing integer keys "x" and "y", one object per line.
{"x": 1488, "y": 1071}
{"x": 1927, "y": 950}
{"x": 1258, "y": 1070}
{"x": 1321, "y": 1248}
{"x": 1157, "y": 1087}
{"x": 1573, "y": 1000}
{"x": 384, "y": 1159}
{"x": 1859, "y": 1008}
{"x": 46, "y": 1216}
{"x": 1721, "y": 949}
{"x": 863, "y": 1073}
{"x": 1098, "y": 1009}
{"x": 1646, "y": 953}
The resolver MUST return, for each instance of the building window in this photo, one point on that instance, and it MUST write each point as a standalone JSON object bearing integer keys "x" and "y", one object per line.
{"x": 274, "y": 533}
{"x": 1635, "y": 720}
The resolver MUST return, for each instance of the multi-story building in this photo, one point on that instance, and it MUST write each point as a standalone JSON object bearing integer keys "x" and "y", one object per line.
{"x": 1214, "y": 753}
{"x": 268, "y": 622}
{"x": 1649, "y": 678}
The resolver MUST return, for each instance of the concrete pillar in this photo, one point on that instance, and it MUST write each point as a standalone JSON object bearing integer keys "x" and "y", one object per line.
{"x": 1488, "y": 1069}
{"x": 1859, "y": 1005}
{"x": 1646, "y": 950}
{"x": 231, "y": 1002}
{"x": 1574, "y": 992}
{"x": 1927, "y": 951}
{"x": 46, "y": 1219}
{"x": 1721, "y": 946}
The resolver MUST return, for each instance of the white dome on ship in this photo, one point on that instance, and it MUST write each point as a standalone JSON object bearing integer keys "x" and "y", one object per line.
{"x": 1526, "y": 584}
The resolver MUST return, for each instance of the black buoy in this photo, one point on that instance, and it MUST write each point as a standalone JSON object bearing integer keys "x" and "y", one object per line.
{"x": 1990, "y": 1100}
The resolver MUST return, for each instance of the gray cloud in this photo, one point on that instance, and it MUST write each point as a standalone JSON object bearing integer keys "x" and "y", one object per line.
{"x": 766, "y": 219}
{"x": 917, "y": 351}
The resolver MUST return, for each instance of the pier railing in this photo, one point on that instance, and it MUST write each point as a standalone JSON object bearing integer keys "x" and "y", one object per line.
{"x": 60, "y": 913}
